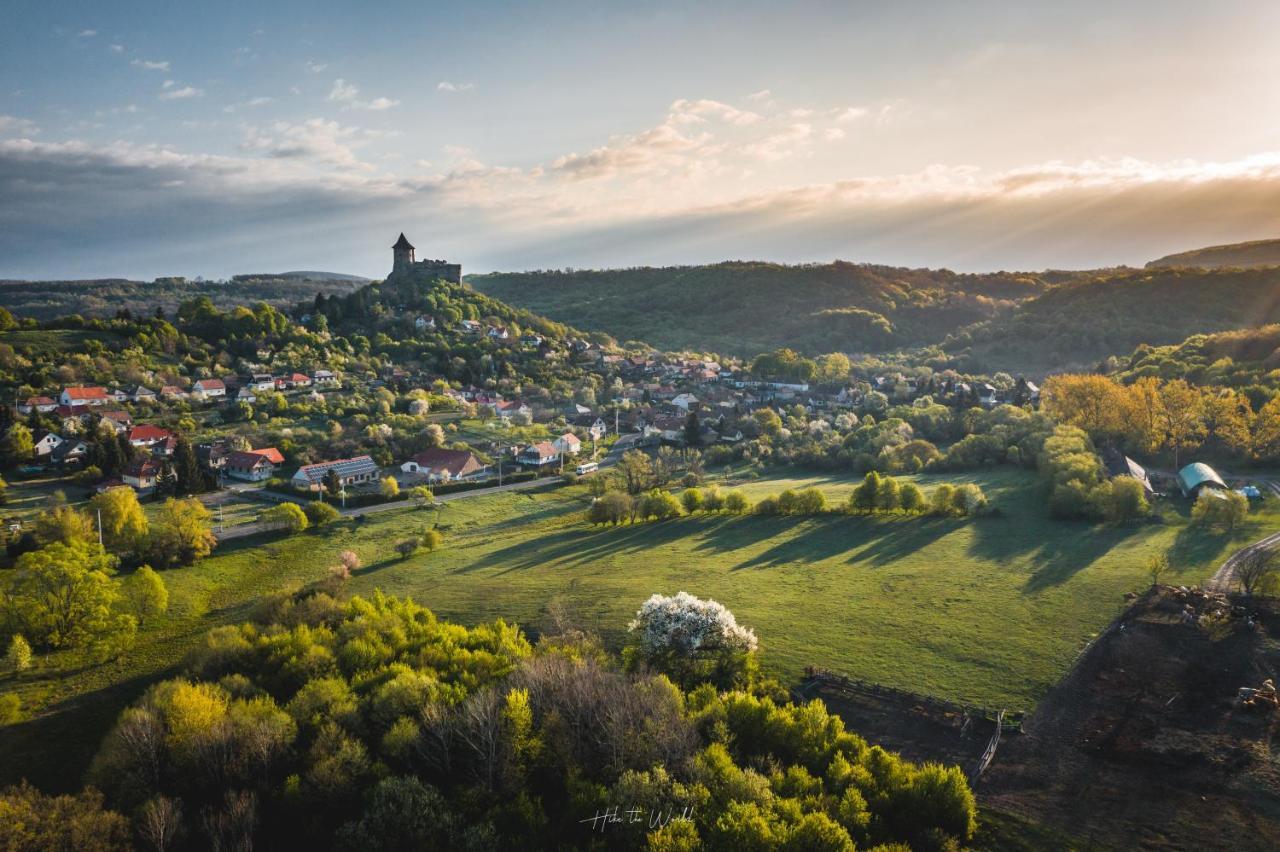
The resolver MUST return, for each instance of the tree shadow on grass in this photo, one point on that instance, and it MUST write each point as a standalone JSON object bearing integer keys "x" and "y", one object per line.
{"x": 899, "y": 538}
{"x": 1061, "y": 558}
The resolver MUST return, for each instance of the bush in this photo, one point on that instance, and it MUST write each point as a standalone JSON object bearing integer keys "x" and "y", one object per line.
{"x": 735, "y": 503}
{"x": 911, "y": 498}
{"x": 10, "y": 709}
{"x": 691, "y": 499}
{"x": 407, "y": 547}
{"x": 613, "y": 507}
{"x": 432, "y": 539}
{"x": 661, "y": 505}
{"x": 320, "y": 513}
{"x": 285, "y": 516}
{"x": 1217, "y": 508}
{"x": 18, "y": 657}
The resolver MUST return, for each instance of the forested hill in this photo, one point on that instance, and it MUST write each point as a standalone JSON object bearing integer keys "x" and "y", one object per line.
{"x": 1256, "y": 253}
{"x": 105, "y": 297}
{"x": 744, "y": 308}
{"x": 1081, "y": 323}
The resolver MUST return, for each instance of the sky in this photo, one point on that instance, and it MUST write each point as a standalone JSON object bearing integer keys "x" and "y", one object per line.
{"x": 148, "y": 139}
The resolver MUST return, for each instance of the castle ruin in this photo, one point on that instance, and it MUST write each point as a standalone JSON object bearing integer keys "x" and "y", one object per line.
{"x": 403, "y": 263}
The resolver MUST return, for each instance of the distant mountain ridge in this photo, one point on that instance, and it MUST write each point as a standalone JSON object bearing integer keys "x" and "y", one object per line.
{"x": 743, "y": 308}
{"x": 1242, "y": 255}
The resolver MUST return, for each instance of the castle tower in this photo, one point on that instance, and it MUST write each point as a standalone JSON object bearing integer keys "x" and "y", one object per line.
{"x": 402, "y": 252}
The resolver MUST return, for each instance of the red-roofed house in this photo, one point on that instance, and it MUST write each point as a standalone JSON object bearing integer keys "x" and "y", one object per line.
{"x": 539, "y": 455}
{"x": 43, "y": 404}
{"x": 209, "y": 389}
{"x": 251, "y": 467}
{"x": 142, "y": 474}
{"x": 145, "y": 434}
{"x": 84, "y": 396}
{"x": 441, "y": 465}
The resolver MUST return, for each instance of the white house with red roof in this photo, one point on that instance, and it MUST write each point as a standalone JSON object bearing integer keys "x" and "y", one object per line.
{"x": 84, "y": 396}
{"x": 209, "y": 389}
{"x": 146, "y": 434}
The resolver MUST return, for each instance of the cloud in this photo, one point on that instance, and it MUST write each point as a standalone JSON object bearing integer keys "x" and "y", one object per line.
{"x": 696, "y": 111}
{"x": 782, "y": 145}
{"x": 86, "y": 34}
{"x": 848, "y": 114}
{"x": 661, "y": 147}
{"x": 762, "y": 95}
{"x": 343, "y": 91}
{"x": 316, "y": 139}
{"x": 251, "y": 103}
{"x": 148, "y": 65}
{"x": 172, "y": 94}
{"x": 348, "y": 93}
{"x": 317, "y": 67}
{"x": 11, "y": 125}
{"x": 447, "y": 86}
{"x": 833, "y": 134}
{"x": 117, "y": 48}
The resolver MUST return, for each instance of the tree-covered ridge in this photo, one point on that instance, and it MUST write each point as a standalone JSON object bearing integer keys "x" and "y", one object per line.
{"x": 370, "y": 724}
{"x": 1247, "y": 359}
{"x": 748, "y": 307}
{"x": 1084, "y": 322}
{"x": 1254, "y": 253}
{"x": 45, "y": 300}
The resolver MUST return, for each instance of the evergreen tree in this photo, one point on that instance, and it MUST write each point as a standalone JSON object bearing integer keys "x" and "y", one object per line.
{"x": 692, "y": 430}
{"x": 187, "y": 467}
{"x": 167, "y": 481}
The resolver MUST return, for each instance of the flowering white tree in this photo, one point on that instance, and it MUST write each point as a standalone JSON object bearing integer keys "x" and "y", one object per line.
{"x": 686, "y": 624}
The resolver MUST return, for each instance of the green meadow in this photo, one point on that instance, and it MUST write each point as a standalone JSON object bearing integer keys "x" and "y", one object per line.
{"x": 990, "y": 610}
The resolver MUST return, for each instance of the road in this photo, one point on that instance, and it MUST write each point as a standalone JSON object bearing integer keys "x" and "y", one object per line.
{"x": 1223, "y": 577}
{"x": 626, "y": 442}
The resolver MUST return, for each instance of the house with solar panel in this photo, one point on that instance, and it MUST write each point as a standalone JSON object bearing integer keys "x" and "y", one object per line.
{"x": 353, "y": 471}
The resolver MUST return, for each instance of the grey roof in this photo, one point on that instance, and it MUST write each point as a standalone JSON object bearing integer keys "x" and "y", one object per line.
{"x": 1197, "y": 474}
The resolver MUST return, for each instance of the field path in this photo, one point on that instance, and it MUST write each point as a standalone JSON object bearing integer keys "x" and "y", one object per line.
{"x": 1221, "y": 579}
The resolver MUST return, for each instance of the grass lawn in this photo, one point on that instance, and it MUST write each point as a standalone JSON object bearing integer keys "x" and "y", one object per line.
{"x": 990, "y": 611}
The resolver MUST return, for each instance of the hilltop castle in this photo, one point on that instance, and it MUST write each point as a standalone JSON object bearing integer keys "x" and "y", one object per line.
{"x": 404, "y": 264}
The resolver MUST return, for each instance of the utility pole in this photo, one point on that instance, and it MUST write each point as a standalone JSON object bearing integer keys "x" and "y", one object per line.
{"x": 99, "y": 528}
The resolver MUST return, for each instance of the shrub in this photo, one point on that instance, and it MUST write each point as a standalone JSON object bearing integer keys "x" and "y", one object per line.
{"x": 1218, "y": 508}
{"x": 432, "y": 539}
{"x": 911, "y": 498}
{"x": 407, "y": 547}
{"x": 10, "y": 709}
{"x": 320, "y": 513}
{"x": 613, "y": 507}
{"x": 735, "y": 503}
{"x": 691, "y": 499}
{"x": 661, "y": 505}
{"x": 18, "y": 657}
{"x": 285, "y": 516}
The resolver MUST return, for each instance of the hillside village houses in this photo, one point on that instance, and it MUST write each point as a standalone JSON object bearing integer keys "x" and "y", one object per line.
{"x": 84, "y": 396}
{"x": 253, "y": 465}
{"x": 442, "y": 465}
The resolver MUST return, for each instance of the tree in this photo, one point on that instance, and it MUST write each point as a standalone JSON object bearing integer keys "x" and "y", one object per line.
{"x": 1256, "y": 568}
{"x": 187, "y": 467}
{"x": 1092, "y": 403}
{"x": 285, "y": 516}
{"x": 911, "y": 498}
{"x": 1126, "y": 499}
{"x": 320, "y": 513}
{"x": 432, "y": 540}
{"x": 736, "y": 503}
{"x": 1217, "y": 508}
{"x": 692, "y": 430}
{"x": 332, "y": 482}
{"x": 30, "y": 819}
{"x": 389, "y": 488}
{"x": 1266, "y": 430}
{"x": 408, "y": 546}
{"x": 613, "y": 507}
{"x": 182, "y": 535}
{"x": 124, "y": 523}
{"x": 18, "y": 445}
{"x": 636, "y": 471}
{"x": 768, "y": 421}
{"x": 660, "y": 505}
{"x": 1157, "y": 568}
{"x": 865, "y": 496}
{"x": 421, "y": 494}
{"x": 145, "y": 594}
{"x": 63, "y": 524}
{"x": 691, "y": 499}
{"x": 688, "y": 637}
{"x": 1182, "y": 416}
{"x": 18, "y": 657}
{"x": 63, "y": 593}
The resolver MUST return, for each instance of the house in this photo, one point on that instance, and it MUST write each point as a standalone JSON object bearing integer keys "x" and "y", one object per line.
{"x": 986, "y": 395}
{"x": 42, "y": 404}
{"x": 685, "y": 401}
{"x": 209, "y": 389}
{"x": 441, "y": 465}
{"x": 469, "y": 327}
{"x": 145, "y": 435}
{"x": 271, "y": 454}
{"x": 248, "y": 393}
{"x": 249, "y": 466}
{"x": 84, "y": 396}
{"x": 1198, "y": 476}
{"x": 119, "y": 421}
{"x": 142, "y": 474}
{"x": 498, "y": 332}
{"x": 567, "y": 444}
{"x": 531, "y": 340}
{"x": 213, "y": 455}
{"x": 352, "y": 471}
{"x": 298, "y": 380}
{"x": 507, "y": 410}
{"x": 173, "y": 392}
{"x": 142, "y": 394}
{"x": 324, "y": 377}
{"x": 539, "y": 455}
{"x": 45, "y": 443}
{"x": 1118, "y": 464}
{"x": 425, "y": 323}
{"x": 69, "y": 453}
{"x": 117, "y": 395}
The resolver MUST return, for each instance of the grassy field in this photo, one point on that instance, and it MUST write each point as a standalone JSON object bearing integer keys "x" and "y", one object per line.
{"x": 990, "y": 611}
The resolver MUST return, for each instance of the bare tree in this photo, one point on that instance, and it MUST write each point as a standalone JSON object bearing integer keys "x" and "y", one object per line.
{"x": 159, "y": 822}
{"x": 1255, "y": 567}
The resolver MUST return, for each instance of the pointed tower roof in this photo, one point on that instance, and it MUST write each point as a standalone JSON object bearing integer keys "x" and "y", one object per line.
{"x": 402, "y": 243}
